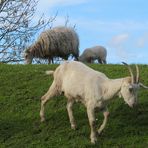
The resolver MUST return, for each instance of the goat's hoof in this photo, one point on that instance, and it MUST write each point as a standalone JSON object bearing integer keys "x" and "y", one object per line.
{"x": 43, "y": 97}
{"x": 42, "y": 119}
{"x": 74, "y": 127}
{"x": 93, "y": 140}
{"x": 99, "y": 132}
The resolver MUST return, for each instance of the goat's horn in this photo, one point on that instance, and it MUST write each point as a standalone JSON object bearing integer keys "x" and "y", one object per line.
{"x": 142, "y": 85}
{"x": 137, "y": 73}
{"x": 130, "y": 70}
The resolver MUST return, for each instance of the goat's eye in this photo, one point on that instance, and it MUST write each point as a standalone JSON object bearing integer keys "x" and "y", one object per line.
{"x": 130, "y": 89}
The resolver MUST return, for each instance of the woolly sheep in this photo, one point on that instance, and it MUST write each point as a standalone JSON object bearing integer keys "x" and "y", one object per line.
{"x": 94, "y": 89}
{"x": 56, "y": 42}
{"x": 94, "y": 53}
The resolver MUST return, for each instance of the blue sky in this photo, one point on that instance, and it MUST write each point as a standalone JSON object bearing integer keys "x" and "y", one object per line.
{"x": 119, "y": 25}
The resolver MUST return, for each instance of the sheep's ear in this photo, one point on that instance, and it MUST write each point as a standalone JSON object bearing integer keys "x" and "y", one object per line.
{"x": 143, "y": 86}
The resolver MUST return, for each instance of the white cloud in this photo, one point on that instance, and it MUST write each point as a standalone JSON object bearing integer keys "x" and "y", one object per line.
{"x": 142, "y": 41}
{"x": 118, "y": 40}
{"x": 112, "y": 26}
{"x": 50, "y": 7}
{"x": 117, "y": 43}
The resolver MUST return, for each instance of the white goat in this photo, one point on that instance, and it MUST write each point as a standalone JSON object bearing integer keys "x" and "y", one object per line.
{"x": 94, "y": 89}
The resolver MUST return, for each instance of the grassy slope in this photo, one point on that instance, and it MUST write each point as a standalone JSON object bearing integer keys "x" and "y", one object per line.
{"x": 21, "y": 87}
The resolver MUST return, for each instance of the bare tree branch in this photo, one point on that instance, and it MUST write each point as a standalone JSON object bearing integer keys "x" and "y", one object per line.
{"x": 17, "y": 29}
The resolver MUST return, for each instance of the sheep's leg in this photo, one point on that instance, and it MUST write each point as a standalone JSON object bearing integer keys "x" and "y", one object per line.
{"x": 50, "y": 93}
{"x": 76, "y": 58}
{"x": 49, "y": 60}
{"x": 104, "y": 61}
{"x": 52, "y": 60}
{"x": 100, "y": 61}
{"x": 91, "y": 118}
{"x": 70, "y": 114}
{"x": 106, "y": 114}
{"x": 65, "y": 58}
{"x": 92, "y": 60}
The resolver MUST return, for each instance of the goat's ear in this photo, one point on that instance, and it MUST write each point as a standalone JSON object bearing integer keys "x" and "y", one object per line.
{"x": 130, "y": 88}
{"x": 143, "y": 86}
{"x": 124, "y": 63}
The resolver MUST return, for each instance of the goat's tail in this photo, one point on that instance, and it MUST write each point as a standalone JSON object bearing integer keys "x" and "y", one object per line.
{"x": 50, "y": 72}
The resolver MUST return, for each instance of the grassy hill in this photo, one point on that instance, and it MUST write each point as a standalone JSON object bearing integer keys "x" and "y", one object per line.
{"x": 21, "y": 87}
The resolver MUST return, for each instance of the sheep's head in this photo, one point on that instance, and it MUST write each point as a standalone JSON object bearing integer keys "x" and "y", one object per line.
{"x": 87, "y": 59}
{"x": 81, "y": 59}
{"x": 130, "y": 87}
{"x": 28, "y": 56}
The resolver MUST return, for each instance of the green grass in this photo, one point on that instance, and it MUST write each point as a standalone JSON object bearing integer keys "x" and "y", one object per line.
{"x": 21, "y": 87}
